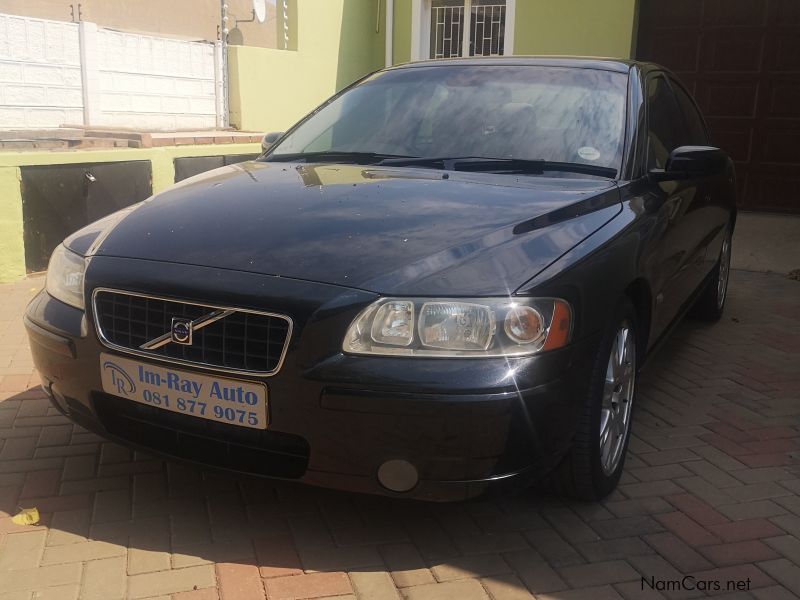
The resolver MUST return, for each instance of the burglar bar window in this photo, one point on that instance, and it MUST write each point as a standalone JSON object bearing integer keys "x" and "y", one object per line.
{"x": 487, "y": 20}
{"x": 447, "y": 28}
{"x": 487, "y": 28}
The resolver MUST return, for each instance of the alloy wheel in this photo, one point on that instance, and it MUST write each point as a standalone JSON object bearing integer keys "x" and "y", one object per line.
{"x": 615, "y": 412}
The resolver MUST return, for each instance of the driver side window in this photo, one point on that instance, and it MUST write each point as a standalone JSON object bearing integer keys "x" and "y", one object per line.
{"x": 665, "y": 125}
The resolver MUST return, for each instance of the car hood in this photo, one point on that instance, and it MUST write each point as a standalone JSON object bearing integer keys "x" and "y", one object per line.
{"x": 388, "y": 230}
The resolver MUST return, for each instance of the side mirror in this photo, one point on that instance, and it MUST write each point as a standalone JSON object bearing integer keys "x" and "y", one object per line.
{"x": 687, "y": 162}
{"x": 269, "y": 140}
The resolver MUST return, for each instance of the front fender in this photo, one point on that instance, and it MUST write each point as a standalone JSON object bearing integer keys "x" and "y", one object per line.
{"x": 593, "y": 275}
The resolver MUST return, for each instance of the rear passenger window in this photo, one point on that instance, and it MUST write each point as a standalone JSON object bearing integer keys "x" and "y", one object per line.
{"x": 694, "y": 122}
{"x": 665, "y": 123}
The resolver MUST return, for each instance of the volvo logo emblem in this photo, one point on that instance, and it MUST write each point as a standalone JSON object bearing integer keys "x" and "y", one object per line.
{"x": 181, "y": 331}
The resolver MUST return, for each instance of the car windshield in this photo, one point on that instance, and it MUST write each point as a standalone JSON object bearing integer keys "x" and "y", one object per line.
{"x": 536, "y": 113}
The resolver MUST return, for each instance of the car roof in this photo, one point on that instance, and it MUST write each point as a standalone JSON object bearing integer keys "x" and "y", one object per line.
{"x": 580, "y": 62}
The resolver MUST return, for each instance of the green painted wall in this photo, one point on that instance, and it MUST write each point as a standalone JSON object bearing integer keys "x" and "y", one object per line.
{"x": 337, "y": 43}
{"x": 575, "y": 27}
{"x": 270, "y": 90}
{"x": 362, "y": 40}
{"x": 401, "y": 45}
{"x": 12, "y": 248}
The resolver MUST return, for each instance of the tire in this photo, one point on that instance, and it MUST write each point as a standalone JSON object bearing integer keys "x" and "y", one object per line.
{"x": 710, "y": 304}
{"x": 589, "y": 471}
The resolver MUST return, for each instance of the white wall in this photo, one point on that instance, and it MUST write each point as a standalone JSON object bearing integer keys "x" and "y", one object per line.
{"x": 40, "y": 73}
{"x": 124, "y": 79}
{"x": 153, "y": 82}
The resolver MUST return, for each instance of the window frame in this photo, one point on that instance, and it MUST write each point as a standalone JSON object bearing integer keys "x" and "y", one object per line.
{"x": 652, "y": 76}
{"x": 677, "y": 85}
{"x": 421, "y": 29}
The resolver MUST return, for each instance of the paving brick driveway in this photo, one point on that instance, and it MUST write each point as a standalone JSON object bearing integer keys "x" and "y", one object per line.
{"x": 712, "y": 488}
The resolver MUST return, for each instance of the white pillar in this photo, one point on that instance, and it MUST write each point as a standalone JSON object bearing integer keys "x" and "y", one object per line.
{"x": 389, "y": 52}
{"x": 416, "y": 26}
{"x": 219, "y": 85}
{"x": 223, "y": 118}
{"x": 511, "y": 21}
{"x": 465, "y": 29}
{"x": 90, "y": 72}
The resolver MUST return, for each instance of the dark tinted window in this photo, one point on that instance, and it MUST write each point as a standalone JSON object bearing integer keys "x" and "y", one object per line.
{"x": 665, "y": 123}
{"x": 694, "y": 122}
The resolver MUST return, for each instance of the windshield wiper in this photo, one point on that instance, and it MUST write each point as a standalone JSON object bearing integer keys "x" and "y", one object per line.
{"x": 460, "y": 163}
{"x": 343, "y": 156}
{"x": 500, "y": 165}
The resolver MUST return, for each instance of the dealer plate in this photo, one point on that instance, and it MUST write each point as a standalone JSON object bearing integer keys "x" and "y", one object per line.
{"x": 231, "y": 401}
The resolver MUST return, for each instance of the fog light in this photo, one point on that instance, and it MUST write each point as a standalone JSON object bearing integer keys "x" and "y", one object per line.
{"x": 398, "y": 475}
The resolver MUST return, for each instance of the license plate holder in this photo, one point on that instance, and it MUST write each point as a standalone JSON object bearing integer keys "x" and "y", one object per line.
{"x": 205, "y": 396}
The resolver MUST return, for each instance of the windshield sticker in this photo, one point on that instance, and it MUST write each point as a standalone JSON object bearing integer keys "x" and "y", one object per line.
{"x": 588, "y": 153}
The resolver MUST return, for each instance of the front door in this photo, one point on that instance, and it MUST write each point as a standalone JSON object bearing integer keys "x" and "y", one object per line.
{"x": 678, "y": 261}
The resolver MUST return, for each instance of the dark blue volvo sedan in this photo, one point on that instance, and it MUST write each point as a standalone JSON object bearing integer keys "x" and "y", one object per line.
{"x": 443, "y": 279}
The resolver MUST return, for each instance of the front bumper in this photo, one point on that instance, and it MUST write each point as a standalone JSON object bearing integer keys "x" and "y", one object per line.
{"x": 465, "y": 424}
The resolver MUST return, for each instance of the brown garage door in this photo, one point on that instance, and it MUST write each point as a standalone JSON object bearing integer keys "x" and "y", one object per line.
{"x": 741, "y": 59}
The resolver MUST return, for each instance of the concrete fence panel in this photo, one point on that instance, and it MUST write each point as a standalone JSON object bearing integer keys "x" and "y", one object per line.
{"x": 54, "y": 73}
{"x": 155, "y": 83}
{"x": 40, "y": 73}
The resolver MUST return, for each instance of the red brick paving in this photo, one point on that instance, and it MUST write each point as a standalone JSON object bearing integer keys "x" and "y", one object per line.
{"x": 711, "y": 489}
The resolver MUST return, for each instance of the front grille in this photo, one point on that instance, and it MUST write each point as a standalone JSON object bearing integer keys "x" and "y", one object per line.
{"x": 244, "y": 341}
{"x": 256, "y": 451}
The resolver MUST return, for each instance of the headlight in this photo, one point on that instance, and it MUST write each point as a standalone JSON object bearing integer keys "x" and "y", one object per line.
{"x": 460, "y": 328}
{"x": 65, "y": 276}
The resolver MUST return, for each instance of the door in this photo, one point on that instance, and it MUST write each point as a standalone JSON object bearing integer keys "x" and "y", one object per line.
{"x": 710, "y": 212}
{"x": 741, "y": 61}
{"x": 677, "y": 207}
{"x": 467, "y": 28}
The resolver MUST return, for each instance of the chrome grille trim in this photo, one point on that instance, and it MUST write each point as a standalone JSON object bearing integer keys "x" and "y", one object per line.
{"x": 177, "y": 361}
